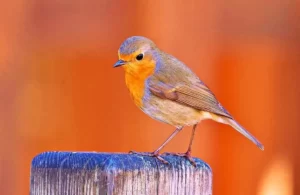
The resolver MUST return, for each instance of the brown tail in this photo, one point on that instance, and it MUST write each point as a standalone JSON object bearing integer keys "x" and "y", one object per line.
{"x": 243, "y": 131}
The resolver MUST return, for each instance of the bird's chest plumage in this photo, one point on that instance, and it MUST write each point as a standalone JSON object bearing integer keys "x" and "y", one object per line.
{"x": 136, "y": 88}
{"x": 135, "y": 79}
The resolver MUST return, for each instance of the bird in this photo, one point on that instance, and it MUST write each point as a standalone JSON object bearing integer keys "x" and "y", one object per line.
{"x": 167, "y": 90}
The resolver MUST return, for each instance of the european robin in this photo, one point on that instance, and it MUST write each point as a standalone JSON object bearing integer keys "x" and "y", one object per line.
{"x": 167, "y": 90}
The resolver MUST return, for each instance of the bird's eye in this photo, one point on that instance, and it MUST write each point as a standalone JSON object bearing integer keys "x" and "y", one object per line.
{"x": 140, "y": 56}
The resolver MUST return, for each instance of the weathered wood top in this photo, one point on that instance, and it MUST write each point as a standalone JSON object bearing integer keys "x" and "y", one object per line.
{"x": 72, "y": 173}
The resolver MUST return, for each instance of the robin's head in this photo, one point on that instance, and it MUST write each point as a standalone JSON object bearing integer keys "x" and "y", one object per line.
{"x": 136, "y": 54}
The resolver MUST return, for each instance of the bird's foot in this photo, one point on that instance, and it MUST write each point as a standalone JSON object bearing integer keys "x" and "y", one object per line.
{"x": 152, "y": 154}
{"x": 187, "y": 155}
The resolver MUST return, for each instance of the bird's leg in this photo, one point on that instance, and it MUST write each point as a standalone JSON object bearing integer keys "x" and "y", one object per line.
{"x": 189, "y": 151}
{"x": 156, "y": 152}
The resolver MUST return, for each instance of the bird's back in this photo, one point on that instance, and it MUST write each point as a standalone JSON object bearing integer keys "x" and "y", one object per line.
{"x": 170, "y": 69}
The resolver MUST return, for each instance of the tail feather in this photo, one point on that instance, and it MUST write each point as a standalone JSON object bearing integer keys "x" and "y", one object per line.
{"x": 243, "y": 131}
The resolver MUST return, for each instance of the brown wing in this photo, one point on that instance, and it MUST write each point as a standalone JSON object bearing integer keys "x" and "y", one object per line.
{"x": 197, "y": 96}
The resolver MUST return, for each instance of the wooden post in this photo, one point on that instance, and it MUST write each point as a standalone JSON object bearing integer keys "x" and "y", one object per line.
{"x": 72, "y": 173}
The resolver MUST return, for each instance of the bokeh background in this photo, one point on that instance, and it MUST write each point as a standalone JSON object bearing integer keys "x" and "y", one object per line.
{"x": 58, "y": 90}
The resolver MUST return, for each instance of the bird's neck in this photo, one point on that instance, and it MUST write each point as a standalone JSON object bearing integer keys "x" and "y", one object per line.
{"x": 135, "y": 78}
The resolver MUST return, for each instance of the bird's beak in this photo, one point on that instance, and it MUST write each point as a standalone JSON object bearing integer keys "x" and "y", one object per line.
{"x": 119, "y": 63}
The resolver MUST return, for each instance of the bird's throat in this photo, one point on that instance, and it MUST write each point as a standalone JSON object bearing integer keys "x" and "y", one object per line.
{"x": 135, "y": 78}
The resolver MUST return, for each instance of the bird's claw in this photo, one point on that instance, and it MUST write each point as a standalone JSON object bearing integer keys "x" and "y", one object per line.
{"x": 187, "y": 155}
{"x": 151, "y": 154}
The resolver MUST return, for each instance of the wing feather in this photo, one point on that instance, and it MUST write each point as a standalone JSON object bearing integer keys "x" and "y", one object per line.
{"x": 197, "y": 96}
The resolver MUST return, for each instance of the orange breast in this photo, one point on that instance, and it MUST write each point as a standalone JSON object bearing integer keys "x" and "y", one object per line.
{"x": 135, "y": 77}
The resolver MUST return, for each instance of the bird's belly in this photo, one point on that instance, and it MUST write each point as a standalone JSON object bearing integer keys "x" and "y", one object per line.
{"x": 171, "y": 112}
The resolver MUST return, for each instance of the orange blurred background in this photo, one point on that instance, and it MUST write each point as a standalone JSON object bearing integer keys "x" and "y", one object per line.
{"x": 58, "y": 90}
